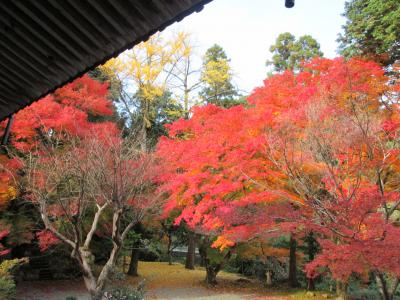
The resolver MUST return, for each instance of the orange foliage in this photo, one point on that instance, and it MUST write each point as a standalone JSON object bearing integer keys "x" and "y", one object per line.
{"x": 315, "y": 150}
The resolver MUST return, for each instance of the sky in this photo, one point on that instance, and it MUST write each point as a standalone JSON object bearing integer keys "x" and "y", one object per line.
{"x": 247, "y": 28}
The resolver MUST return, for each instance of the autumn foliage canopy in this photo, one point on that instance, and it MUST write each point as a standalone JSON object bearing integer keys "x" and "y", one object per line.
{"x": 54, "y": 119}
{"x": 68, "y": 160}
{"x": 60, "y": 115}
{"x": 313, "y": 151}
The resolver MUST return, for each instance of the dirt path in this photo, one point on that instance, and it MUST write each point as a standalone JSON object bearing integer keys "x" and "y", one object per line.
{"x": 59, "y": 290}
{"x": 194, "y": 293}
{"x": 51, "y": 290}
{"x": 164, "y": 282}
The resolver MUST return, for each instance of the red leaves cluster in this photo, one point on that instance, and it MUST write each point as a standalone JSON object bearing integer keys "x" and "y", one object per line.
{"x": 307, "y": 152}
{"x": 65, "y": 111}
{"x": 46, "y": 239}
{"x": 358, "y": 256}
{"x": 210, "y": 165}
{"x": 65, "y": 114}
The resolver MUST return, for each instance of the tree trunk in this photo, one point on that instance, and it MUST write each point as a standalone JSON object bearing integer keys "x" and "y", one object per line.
{"x": 211, "y": 274}
{"x": 393, "y": 288}
{"x": 268, "y": 280}
{"x": 191, "y": 251}
{"x": 212, "y": 269}
{"x": 169, "y": 250}
{"x": 83, "y": 257}
{"x": 310, "y": 284}
{"x": 145, "y": 126}
{"x": 93, "y": 286}
{"x": 186, "y": 101}
{"x": 312, "y": 247}
{"x": 387, "y": 292}
{"x": 341, "y": 290}
{"x": 90, "y": 285}
{"x": 292, "y": 263}
{"x": 133, "y": 265}
{"x": 109, "y": 266}
{"x": 203, "y": 254}
{"x": 135, "y": 253}
{"x": 143, "y": 138}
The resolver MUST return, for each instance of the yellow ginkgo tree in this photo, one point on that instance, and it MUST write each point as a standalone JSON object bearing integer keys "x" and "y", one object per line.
{"x": 147, "y": 74}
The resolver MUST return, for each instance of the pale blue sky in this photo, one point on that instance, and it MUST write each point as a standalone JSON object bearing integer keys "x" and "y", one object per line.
{"x": 247, "y": 28}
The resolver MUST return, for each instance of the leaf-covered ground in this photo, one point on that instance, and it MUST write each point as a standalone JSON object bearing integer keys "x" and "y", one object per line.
{"x": 176, "y": 282}
{"x": 169, "y": 282}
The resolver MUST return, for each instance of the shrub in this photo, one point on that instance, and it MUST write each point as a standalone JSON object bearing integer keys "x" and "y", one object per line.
{"x": 7, "y": 288}
{"x": 117, "y": 275}
{"x": 7, "y": 284}
{"x": 126, "y": 293}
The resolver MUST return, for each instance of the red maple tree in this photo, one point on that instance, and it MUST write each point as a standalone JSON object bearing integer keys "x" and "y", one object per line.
{"x": 67, "y": 112}
{"x": 316, "y": 150}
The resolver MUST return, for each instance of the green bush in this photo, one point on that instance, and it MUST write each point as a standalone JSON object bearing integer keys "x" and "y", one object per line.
{"x": 117, "y": 275}
{"x": 7, "y": 288}
{"x": 7, "y": 284}
{"x": 71, "y": 298}
{"x": 125, "y": 293}
{"x": 357, "y": 290}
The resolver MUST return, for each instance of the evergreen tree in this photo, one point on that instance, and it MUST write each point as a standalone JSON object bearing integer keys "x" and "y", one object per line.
{"x": 288, "y": 53}
{"x": 372, "y": 30}
{"x": 114, "y": 94}
{"x": 217, "y": 76}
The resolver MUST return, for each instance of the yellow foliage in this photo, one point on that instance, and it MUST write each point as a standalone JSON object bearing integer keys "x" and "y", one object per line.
{"x": 7, "y": 191}
{"x": 112, "y": 67}
{"x": 216, "y": 72}
{"x": 262, "y": 250}
{"x": 148, "y": 64}
{"x": 7, "y": 194}
{"x": 160, "y": 275}
{"x": 8, "y": 266}
{"x": 222, "y": 243}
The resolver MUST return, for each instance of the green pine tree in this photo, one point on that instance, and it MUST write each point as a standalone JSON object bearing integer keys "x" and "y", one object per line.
{"x": 372, "y": 30}
{"x": 289, "y": 53}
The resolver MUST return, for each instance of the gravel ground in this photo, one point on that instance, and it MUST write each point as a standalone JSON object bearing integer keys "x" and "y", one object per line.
{"x": 59, "y": 290}
{"x": 194, "y": 293}
{"x": 51, "y": 290}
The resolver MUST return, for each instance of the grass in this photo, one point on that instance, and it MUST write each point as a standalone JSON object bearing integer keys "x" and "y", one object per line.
{"x": 162, "y": 275}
